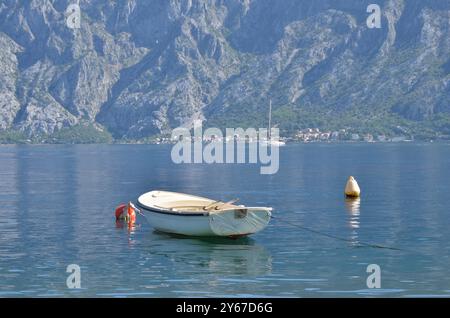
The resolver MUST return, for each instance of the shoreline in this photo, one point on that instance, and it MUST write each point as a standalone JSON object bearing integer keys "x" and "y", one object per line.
{"x": 438, "y": 141}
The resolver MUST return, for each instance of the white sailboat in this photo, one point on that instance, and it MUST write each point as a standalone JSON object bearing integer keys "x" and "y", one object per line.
{"x": 272, "y": 141}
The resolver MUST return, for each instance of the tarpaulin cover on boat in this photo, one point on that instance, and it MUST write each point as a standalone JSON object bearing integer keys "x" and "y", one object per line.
{"x": 238, "y": 222}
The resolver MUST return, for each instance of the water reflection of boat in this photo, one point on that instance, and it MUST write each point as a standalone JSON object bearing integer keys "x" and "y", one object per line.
{"x": 215, "y": 254}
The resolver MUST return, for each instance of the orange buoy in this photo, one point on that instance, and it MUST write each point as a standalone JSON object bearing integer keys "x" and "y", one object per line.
{"x": 131, "y": 213}
{"x": 126, "y": 212}
{"x": 119, "y": 212}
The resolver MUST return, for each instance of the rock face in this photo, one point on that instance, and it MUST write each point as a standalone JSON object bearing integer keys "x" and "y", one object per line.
{"x": 9, "y": 105}
{"x": 141, "y": 68}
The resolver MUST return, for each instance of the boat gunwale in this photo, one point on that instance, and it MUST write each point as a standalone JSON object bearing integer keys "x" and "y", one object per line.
{"x": 163, "y": 210}
{"x": 206, "y": 213}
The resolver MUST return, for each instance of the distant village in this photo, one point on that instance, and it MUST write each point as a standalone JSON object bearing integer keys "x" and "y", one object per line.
{"x": 305, "y": 136}
{"x": 316, "y": 135}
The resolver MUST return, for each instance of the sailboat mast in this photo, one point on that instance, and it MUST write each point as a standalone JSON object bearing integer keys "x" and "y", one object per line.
{"x": 270, "y": 119}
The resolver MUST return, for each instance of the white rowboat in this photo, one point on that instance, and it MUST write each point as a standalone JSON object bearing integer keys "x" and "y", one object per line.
{"x": 191, "y": 215}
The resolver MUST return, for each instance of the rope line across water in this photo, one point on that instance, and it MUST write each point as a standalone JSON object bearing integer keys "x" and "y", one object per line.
{"x": 336, "y": 237}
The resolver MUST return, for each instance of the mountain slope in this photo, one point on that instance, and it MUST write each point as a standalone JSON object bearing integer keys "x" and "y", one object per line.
{"x": 140, "y": 68}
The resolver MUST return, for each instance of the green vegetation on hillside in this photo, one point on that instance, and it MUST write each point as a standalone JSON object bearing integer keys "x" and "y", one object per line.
{"x": 85, "y": 133}
{"x": 81, "y": 134}
{"x": 291, "y": 119}
{"x": 12, "y": 137}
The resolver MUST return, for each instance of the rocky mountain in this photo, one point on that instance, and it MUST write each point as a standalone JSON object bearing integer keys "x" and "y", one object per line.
{"x": 138, "y": 68}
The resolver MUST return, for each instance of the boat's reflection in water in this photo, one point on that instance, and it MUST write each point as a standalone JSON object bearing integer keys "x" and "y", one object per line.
{"x": 224, "y": 256}
{"x": 353, "y": 207}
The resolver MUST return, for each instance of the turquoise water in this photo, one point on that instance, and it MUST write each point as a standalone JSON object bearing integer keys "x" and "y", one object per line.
{"x": 58, "y": 205}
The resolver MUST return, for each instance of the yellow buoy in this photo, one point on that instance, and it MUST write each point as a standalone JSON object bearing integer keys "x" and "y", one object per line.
{"x": 352, "y": 188}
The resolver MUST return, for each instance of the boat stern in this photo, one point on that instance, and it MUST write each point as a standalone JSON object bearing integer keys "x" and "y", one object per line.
{"x": 239, "y": 222}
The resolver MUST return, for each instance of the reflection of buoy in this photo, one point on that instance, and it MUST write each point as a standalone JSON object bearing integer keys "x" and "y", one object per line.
{"x": 353, "y": 206}
{"x": 352, "y": 188}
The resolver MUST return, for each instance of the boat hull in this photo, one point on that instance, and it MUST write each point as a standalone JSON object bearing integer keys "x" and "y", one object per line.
{"x": 230, "y": 223}
{"x": 192, "y": 225}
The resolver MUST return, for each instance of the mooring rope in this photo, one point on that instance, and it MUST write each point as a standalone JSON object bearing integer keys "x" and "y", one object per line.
{"x": 337, "y": 237}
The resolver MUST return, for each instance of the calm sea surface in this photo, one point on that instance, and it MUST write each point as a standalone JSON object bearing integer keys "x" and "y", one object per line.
{"x": 57, "y": 208}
